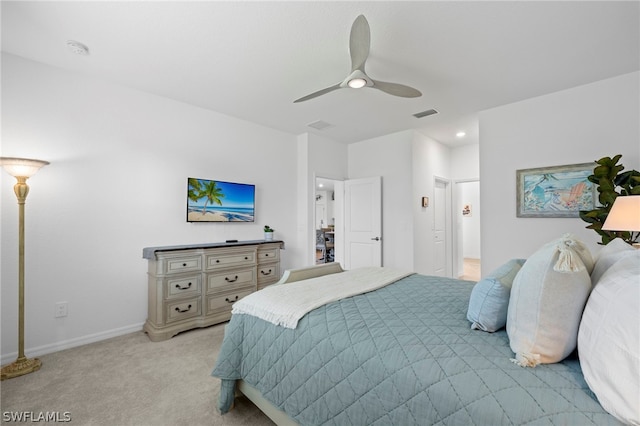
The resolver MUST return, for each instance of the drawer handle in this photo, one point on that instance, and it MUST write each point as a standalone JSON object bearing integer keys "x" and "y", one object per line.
{"x": 183, "y": 288}
{"x": 184, "y": 265}
{"x": 265, "y": 273}
{"x": 182, "y": 311}
{"x": 266, "y": 255}
{"x": 231, "y": 280}
{"x": 246, "y": 258}
{"x": 231, "y": 301}
{"x": 217, "y": 260}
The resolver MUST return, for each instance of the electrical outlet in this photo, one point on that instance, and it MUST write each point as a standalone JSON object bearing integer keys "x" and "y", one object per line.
{"x": 61, "y": 309}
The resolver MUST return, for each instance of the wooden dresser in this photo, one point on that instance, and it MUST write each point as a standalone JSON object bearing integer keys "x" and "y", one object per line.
{"x": 195, "y": 285}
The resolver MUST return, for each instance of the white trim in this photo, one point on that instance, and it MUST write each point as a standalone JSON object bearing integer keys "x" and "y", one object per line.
{"x": 72, "y": 343}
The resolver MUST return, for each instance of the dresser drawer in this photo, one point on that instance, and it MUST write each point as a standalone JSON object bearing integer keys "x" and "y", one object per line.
{"x": 184, "y": 309}
{"x": 222, "y": 303}
{"x": 231, "y": 279}
{"x": 183, "y": 264}
{"x": 183, "y": 286}
{"x": 225, "y": 259}
{"x": 268, "y": 274}
{"x": 268, "y": 254}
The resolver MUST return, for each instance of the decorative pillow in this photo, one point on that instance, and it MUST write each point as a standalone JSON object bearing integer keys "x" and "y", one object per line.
{"x": 546, "y": 303}
{"x": 610, "y": 254}
{"x": 609, "y": 340}
{"x": 579, "y": 248}
{"x": 490, "y": 298}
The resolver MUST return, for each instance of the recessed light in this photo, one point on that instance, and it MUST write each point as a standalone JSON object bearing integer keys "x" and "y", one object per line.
{"x": 78, "y": 48}
{"x": 461, "y": 134}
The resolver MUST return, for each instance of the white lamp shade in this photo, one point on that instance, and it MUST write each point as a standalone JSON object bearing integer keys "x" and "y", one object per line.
{"x": 21, "y": 167}
{"x": 624, "y": 214}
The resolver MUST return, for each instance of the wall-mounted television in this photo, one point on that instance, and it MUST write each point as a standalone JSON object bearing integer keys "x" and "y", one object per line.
{"x": 219, "y": 201}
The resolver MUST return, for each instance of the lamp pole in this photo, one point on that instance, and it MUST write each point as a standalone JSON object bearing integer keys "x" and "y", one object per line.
{"x": 21, "y": 169}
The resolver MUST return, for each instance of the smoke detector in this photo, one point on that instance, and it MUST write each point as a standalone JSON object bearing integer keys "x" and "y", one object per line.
{"x": 78, "y": 48}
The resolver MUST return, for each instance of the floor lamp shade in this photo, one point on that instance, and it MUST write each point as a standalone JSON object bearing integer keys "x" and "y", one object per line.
{"x": 21, "y": 169}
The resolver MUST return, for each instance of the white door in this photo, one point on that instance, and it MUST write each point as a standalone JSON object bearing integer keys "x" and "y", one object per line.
{"x": 363, "y": 222}
{"x": 440, "y": 229}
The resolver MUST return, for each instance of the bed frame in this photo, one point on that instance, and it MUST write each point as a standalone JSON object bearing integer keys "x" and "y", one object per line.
{"x": 293, "y": 275}
{"x": 278, "y": 416}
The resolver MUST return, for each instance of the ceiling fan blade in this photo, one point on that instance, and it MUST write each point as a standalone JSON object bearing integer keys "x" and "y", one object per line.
{"x": 318, "y": 93}
{"x": 359, "y": 43}
{"x": 396, "y": 89}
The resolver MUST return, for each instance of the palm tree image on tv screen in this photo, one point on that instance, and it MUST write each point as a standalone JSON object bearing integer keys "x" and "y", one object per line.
{"x": 218, "y": 201}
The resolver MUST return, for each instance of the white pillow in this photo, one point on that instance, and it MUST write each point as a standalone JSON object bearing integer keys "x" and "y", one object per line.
{"x": 489, "y": 299}
{"x": 546, "y": 303}
{"x": 609, "y": 340}
{"x": 610, "y": 254}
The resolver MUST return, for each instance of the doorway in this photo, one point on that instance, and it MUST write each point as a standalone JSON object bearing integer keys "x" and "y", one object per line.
{"x": 467, "y": 220}
{"x": 348, "y": 216}
{"x": 326, "y": 210}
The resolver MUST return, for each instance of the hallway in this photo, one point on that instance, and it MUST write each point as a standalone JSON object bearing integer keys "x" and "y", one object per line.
{"x": 471, "y": 269}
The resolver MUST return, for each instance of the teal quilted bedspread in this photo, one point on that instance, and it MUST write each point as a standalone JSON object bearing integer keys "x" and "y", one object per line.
{"x": 401, "y": 355}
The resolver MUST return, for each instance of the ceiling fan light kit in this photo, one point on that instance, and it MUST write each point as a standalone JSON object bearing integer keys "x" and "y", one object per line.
{"x": 357, "y": 83}
{"x": 359, "y": 44}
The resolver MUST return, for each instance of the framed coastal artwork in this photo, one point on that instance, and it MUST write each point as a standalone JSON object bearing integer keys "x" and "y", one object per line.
{"x": 558, "y": 191}
{"x": 219, "y": 201}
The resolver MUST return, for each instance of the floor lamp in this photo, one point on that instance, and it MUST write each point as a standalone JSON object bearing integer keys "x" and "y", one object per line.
{"x": 21, "y": 169}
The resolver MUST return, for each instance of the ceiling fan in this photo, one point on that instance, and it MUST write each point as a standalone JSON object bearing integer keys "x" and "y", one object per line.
{"x": 359, "y": 43}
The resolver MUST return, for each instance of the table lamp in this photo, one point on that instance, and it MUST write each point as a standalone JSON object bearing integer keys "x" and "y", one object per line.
{"x": 625, "y": 216}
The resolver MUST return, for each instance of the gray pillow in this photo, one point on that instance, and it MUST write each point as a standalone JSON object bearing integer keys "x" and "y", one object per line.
{"x": 489, "y": 300}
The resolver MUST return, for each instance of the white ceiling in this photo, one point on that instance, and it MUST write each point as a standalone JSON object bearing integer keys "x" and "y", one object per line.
{"x": 252, "y": 59}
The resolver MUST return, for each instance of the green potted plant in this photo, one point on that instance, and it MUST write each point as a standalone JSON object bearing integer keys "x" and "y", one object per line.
{"x": 611, "y": 183}
{"x": 268, "y": 233}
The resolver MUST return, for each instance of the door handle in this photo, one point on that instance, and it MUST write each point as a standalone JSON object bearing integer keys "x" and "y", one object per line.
{"x": 376, "y": 239}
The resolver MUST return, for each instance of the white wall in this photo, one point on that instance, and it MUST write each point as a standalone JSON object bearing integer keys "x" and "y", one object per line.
{"x": 317, "y": 157}
{"x": 120, "y": 159}
{"x": 390, "y": 157}
{"x": 573, "y": 126}
{"x": 408, "y": 163}
{"x": 465, "y": 162}
{"x": 430, "y": 159}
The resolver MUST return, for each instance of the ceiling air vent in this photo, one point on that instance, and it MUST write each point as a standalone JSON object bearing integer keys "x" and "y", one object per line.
{"x": 425, "y": 113}
{"x": 77, "y": 47}
{"x": 320, "y": 125}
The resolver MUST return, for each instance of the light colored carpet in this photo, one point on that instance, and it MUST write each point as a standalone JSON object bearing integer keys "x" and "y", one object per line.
{"x": 129, "y": 380}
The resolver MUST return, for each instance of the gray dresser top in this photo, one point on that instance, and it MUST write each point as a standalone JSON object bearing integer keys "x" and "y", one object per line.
{"x": 150, "y": 252}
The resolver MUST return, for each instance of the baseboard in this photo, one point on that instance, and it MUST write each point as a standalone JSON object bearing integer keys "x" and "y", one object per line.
{"x": 72, "y": 343}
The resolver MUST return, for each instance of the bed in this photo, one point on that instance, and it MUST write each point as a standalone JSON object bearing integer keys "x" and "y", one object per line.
{"x": 399, "y": 355}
